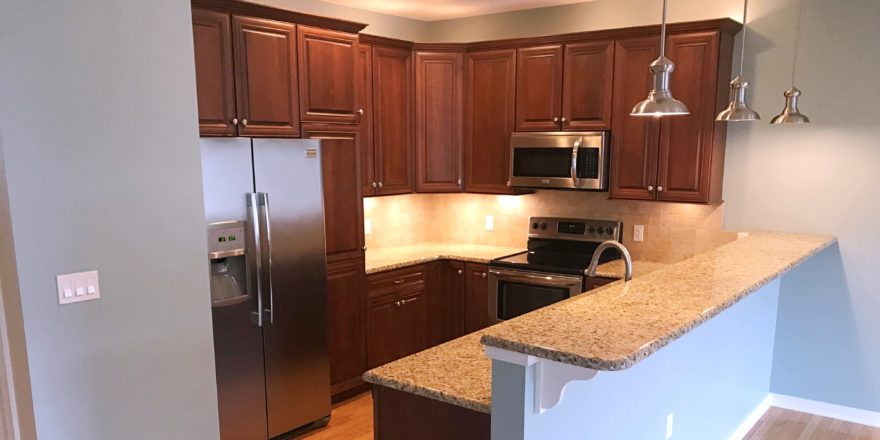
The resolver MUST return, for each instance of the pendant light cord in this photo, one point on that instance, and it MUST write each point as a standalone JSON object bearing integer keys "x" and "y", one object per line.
{"x": 663, "y": 32}
{"x": 742, "y": 54}
{"x": 797, "y": 42}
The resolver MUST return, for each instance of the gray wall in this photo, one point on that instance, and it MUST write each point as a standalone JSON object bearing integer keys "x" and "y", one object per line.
{"x": 99, "y": 132}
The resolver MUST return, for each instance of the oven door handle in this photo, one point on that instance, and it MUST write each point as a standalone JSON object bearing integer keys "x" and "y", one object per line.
{"x": 543, "y": 279}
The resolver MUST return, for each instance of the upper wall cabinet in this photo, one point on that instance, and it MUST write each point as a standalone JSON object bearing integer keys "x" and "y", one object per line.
{"x": 392, "y": 122}
{"x": 490, "y": 101}
{"x": 327, "y": 76}
{"x": 676, "y": 158}
{"x": 438, "y": 126}
{"x": 245, "y": 75}
{"x": 364, "y": 85}
{"x": 565, "y": 87}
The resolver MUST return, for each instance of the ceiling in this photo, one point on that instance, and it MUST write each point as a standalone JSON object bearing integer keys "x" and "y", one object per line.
{"x": 432, "y": 10}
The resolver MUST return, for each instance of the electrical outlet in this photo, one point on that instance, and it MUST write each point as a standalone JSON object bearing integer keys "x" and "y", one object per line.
{"x": 368, "y": 226}
{"x": 669, "y": 426}
{"x": 639, "y": 233}
{"x": 490, "y": 223}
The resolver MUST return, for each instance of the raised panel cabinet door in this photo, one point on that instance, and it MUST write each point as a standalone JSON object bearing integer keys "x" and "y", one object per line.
{"x": 539, "y": 88}
{"x": 686, "y": 148}
{"x": 634, "y": 139}
{"x": 588, "y": 84}
{"x": 215, "y": 80}
{"x": 266, "y": 77}
{"x": 347, "y": 305}
{"x": 476, "y": 303}
{"x": 383, "y": 344}
{"x": 327, "y": 76}
{"x": 445, "y": 290}
{"x": 439, "y": 89}
{"x": 343, "y": 203}
{"x": 365, "y": 114}
{"x": 412, "y": 317}
{"x": 489, "y": 120}
{"x": 392, "y": 107}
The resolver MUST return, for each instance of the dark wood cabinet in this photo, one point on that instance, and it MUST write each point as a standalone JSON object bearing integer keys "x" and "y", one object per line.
{"x": 327, "y": 76}
{"x": 489, "y": 119}
{"x": 539, "y": 88}
{"x": 439, "y": 98}
{"x": 215, "y": 81}
{"x": 347, "y": 308}
{"x": 267, "y": 94}
{"x": 365, "y": 112}
{"x": 343, "y": 203}
{"x": 675, "y": 158}
{"x": 587, "y": 88}
{"x": 476, "y": 301}
{"x": 392, "y": 123}
{"x": 383, "y": 345}
{"x": 446, "y": 287}
{"x": 397, "y": 315}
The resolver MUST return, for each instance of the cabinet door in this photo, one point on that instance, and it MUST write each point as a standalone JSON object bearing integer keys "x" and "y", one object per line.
{"x": 476, "y": 303}
{"x": 539, "y": 88}
{"x": 215, "y": 81}
{"x": 365, "y": 113}
{"x": 266, "y": 77}
{"x": 327, "y": 76}
{"x": 445, "y": 300}
{"x": 489, "y": 120}
{"x": 392, "y": 90}
{"x": 634, "y": 139}
{"x": 412, "y": 316}
{"x": 439, "y": 94}
{"x": 383, "y": 345}
{"x": 347, "y": 305}
{"x": 588, "y": 85}
{"x": 686, "y": 149}
{"x": 343, "y": 204}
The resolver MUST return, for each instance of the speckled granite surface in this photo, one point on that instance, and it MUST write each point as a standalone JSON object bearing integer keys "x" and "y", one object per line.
{"x": 382, "y": 259}
{"x": 616, "y": 268}
{"x": 648, "y": 313}
{"x": 616, "y": 327}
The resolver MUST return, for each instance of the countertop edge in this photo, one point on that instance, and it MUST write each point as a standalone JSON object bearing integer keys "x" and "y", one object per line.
{"x": 440, "y": 396}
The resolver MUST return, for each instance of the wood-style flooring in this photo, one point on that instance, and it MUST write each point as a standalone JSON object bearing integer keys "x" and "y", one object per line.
{"x": 782, "y": 424}
{"x": 353, "y": 420}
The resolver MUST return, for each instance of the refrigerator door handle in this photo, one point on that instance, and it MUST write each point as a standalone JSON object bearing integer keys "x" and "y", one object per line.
{"x": 254, "y": 222}
{"x": 264, "y": 204}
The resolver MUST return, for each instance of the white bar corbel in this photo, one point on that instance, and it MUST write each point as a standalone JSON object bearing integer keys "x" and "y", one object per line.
{"x": 551, "y": 377}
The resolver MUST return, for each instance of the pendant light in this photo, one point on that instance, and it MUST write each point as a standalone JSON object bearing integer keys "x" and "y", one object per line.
{"x": 738, "y": 109}
{"x": 660, "y": 101}
{"x": 790, "y": 114}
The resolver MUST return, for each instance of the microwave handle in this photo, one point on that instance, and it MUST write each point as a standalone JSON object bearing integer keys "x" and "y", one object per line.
{"x": 574, "y": 161}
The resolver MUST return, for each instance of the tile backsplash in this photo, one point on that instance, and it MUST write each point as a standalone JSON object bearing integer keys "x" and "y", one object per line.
{"x": 673, "y": 231}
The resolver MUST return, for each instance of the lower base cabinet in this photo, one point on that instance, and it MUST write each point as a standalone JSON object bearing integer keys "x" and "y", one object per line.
{"x": 346, "y": 297}
{"x": 476, "y": 302}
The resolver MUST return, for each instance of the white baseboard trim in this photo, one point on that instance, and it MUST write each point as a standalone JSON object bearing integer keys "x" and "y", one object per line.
{"x": 752, "y": 419}
{"x": 839, "y": 412}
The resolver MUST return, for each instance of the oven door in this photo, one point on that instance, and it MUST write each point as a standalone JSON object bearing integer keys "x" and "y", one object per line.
{"x": 516, "y": 292}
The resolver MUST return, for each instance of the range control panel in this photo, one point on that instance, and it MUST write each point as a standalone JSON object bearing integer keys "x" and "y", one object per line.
{"x": 575, "y": 229}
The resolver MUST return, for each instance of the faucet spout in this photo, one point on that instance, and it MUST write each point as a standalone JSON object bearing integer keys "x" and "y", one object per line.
{"x": 627, "y": 259}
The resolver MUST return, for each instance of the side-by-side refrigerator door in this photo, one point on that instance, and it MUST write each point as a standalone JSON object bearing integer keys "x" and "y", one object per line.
{"x": 288, "y": 180}
{"x": 227, "y": 175}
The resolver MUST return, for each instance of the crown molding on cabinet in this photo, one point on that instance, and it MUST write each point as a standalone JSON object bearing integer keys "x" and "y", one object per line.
{"x": 261, "y": 11}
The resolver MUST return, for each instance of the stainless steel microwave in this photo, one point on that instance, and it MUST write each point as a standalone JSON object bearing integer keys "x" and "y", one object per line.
{"x": 565, "y": 160}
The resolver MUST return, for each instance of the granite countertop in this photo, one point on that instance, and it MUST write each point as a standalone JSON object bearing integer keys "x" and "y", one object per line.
{"x": 649, "y": 312}
{"x": 616, "y": 268}
{"x": 382, "y": 259}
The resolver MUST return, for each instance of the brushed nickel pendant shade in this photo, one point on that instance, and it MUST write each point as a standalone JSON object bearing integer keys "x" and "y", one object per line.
{"x": 791, "y": 114}
{"x": 660, "y": 101}
{"x": 738, "y": 109}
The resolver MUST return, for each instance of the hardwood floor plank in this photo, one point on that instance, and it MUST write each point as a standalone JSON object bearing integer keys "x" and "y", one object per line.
{"x": 782, "y": 424}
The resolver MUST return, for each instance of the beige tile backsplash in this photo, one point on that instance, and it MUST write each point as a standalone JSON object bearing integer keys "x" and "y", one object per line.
{"x": 673, "y": 231}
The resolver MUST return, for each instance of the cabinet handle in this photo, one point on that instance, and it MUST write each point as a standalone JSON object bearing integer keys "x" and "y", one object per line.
{"x": 397, "y": 303}
{"x": 404, "y": 302}
{"x": 555, "y": 119}
{"x": 244, "y": 122}
{"x": 364, "y": 248}
{"x": 483, "y": 274}
{"x": 650, "y": 188}
{"x": 659, "y": 188}
{"x": 380, "y": 184}
{"x": 373, "y": 184}
{"x": 234, "y": 121}
{"x": 460, "y": 271}
{"x": 459, "y": 181}
{"x": 398, "y": 281}
{"x": 360, "y": 111}
{"x": 563, "y": 119}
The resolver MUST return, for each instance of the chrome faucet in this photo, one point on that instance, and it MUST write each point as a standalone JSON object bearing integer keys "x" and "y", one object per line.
{"x": 627, "y": 259}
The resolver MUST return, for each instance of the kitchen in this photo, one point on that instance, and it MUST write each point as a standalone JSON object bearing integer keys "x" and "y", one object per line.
{"x": 448, "y": 165}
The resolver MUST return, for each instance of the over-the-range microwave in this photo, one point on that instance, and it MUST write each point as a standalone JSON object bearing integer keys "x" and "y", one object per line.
{"x": 562, "y": 160}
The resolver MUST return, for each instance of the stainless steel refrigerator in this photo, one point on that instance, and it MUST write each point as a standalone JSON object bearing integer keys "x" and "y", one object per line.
{"x": 264, "y": 206}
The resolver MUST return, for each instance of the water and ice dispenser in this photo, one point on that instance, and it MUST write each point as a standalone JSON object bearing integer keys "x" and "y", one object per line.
{"x": 227, "y": 250}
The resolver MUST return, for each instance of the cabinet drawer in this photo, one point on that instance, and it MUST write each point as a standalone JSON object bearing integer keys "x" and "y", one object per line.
{"x": 396, "y": 280}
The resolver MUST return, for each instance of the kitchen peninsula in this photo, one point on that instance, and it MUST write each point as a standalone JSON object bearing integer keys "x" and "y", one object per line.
{"x": 714, "y": 313}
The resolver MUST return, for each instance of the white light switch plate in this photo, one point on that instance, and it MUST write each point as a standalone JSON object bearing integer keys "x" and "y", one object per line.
{"x": 639, "y": 233}
{"x": 78, "y": 287}
{"x": 490, "y": 223}
{"x": 368, "y": 226}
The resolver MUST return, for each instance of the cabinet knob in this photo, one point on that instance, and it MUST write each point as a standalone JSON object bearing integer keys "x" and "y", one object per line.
{"x": 234, "y": 121}
{"x": 364, "y": 248}
{"x": 397, "y": 303}
{"x": 360, "y": 111}
{"x": 459, "y": 181}
{"x": 483, "y": 274}
{"x": 380, "y": 184}
{"x": 244, "y": 122}
{"x": 555, "y": 119}
{"x": 563, "y": 119}
{"x": 650, "y": 188}
{"x": 459, "y": 271}
{"x": 373, "y": 184}
{"x": 659, "y": 188}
